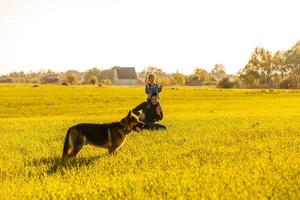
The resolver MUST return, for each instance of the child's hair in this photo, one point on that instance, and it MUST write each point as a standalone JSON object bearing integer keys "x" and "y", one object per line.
{"x": 150, "y": 76}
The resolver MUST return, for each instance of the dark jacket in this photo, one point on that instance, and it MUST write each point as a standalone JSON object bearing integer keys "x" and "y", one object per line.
{"x": 149, "y": 111}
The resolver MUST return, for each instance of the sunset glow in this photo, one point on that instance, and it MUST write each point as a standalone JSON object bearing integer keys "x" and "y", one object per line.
{"x": 172, "y": 35}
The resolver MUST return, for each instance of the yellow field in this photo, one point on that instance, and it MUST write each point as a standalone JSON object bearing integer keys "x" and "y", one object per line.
{"x": 220, "y": 144}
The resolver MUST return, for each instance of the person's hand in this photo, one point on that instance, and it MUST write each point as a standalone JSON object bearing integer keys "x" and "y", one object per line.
{"x": 158, "y": 110}
{"x": 142, "y": 117}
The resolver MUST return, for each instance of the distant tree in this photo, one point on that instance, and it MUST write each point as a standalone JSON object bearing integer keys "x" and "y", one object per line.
{"x": 249, "y": 76}
{"x": 293, "y": 74}
{"x": 278, "y": 65}
{"x": 154, "y": 70}
{"x": 193, "y": 80}
{"x": 293, "y": 65}
{"x": 259, "y": 69}
{"x": 286, "y": 84}
{"x": 6, "y": 79}
{"x": 202, "y": 75}
{"x": 91, "y": 72}
{"x": 293, "y": 55}
{"x": 262, "y": 60}
{"x": 218, "y": 72}
{"x": 106, "y": 75}
{"x": 165, "y": 80}
{"x": 225, "y": 83}
{"x": 72, "y": 76}
{"x": 179, "y": 78}
{"x": 93, "y": 80}
{"x": 159, "y": 73}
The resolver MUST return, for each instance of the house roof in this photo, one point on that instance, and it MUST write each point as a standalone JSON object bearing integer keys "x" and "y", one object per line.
{"x": 126, "y": 72}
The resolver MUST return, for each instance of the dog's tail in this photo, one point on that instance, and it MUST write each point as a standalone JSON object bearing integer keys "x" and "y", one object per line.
{"x": 66, "y": 145}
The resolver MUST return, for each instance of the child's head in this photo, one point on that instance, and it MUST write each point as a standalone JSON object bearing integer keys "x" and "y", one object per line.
{"x": 151, "y": 78}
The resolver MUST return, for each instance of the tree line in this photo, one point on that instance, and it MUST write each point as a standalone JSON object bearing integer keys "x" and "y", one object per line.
{"x": 98, "y": 76}
{"x": 267, "y": 70}
{"x": 69, "y": 77}
{"x": 263, "y": 70}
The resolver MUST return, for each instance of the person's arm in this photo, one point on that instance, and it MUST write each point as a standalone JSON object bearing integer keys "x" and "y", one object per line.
{"x": 159, "y": 117}
{"x": 138, "y": 108}
{"x": 159, "y": 113}
{"x": 159, "y": 87}
{"x": 147, "y": 89}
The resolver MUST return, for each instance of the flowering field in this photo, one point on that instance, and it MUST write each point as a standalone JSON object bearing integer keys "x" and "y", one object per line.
{"x": 220, "y": 144}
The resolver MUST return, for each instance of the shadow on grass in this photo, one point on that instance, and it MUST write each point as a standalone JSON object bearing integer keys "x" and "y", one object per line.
{"x": 59, "y": 165}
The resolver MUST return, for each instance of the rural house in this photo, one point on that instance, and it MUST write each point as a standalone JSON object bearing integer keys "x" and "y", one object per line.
{"x": 124, "y": 76}
{"x": 52, "y": 78}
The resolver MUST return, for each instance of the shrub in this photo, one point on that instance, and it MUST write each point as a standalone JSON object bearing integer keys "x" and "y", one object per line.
{"x": 225, "y": 83}
{"x": 93, "y": 80}
{"x": 106, "y": 82}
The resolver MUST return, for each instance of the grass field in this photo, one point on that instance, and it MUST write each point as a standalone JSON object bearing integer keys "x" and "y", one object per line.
{"x": 220, "y": 144}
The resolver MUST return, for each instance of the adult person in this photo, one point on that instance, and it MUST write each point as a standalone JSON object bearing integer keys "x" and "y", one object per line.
{"x": 150, "y": 113}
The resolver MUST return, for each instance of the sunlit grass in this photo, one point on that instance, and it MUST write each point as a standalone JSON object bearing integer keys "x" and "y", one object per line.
{"x": 226, "y": 144}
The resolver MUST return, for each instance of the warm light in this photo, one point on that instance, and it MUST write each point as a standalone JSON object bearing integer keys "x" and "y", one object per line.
{"x": 172, "y": 35}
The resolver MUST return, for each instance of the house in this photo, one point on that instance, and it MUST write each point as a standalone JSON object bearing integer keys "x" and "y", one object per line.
{"x": 195, "y": 82}
{"x": 51, "y": 78}
{"x": 124, "y": 76}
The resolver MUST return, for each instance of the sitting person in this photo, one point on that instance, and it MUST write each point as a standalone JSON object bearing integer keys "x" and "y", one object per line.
{"x": 150, "y": 115}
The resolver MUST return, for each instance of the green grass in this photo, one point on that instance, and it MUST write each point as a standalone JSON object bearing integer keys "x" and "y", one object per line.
{"x": 220, "y": 144}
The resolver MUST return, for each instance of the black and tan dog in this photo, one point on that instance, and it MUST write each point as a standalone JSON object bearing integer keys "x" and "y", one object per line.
{"x": 110, "y": 136}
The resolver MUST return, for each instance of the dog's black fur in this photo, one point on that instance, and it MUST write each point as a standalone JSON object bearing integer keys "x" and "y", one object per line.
{"x": 110, "y": 136}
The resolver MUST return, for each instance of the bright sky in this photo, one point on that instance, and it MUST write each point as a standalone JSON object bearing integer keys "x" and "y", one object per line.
{"x": 169, "y": 34}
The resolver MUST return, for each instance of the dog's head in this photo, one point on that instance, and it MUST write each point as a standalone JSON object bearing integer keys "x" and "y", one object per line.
{"x": 131, "y": 122}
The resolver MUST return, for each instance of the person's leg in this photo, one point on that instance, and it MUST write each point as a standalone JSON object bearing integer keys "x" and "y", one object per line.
{"x": 157, "y": 126}
{"x": 154, "y": 126}
{"x": 148, "y": 125}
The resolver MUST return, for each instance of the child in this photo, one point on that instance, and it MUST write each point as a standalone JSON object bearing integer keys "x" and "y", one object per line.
{"x": 152, "y": 87}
